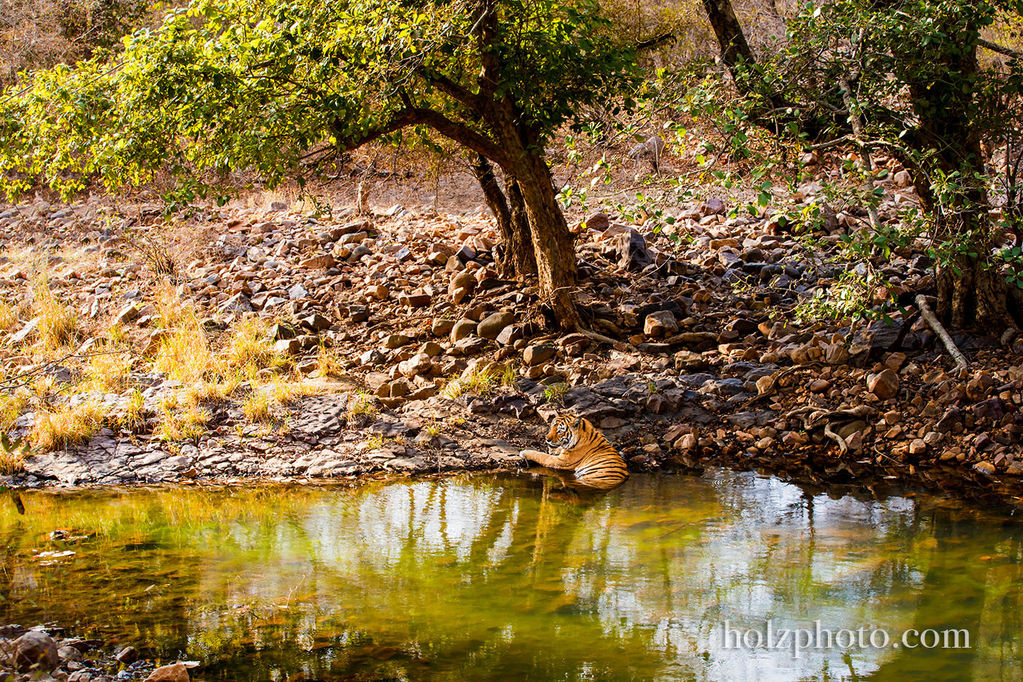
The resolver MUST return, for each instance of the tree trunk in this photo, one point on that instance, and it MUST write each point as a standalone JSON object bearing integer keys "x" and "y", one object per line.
{"x": 970, "y": 290}
{"x": 518, "y": 259}
{"x": 552, "y": 242}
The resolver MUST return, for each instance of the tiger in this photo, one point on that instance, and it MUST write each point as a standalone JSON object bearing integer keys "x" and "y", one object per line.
{"x": 584, "y": 450}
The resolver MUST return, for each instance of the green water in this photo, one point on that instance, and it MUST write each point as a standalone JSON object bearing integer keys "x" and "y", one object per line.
{"x": 500, "y": 578}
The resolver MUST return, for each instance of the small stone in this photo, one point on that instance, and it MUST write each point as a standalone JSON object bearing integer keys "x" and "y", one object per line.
{"x": 35, "y": 651}
{"x": 128, "y": 655}
{"x": 176, "y": 672}
{"x": 432, "y": 349}
{"x": 297, "y": 292}
{"x": 819, "y": 385}
{"x": 320, "y": 262}
{"x": 379, "y": 292}
{"x": 537, "y": 354}
{"x": 26, "y": 331}
{"x": 917, "y": 447}
{"x": 415, "y": 299}
{"x": 397, "y": 341}
{"x": 883, "y": 384}
{"x": 127, "y": 314}
{"x": 288, "y": 347}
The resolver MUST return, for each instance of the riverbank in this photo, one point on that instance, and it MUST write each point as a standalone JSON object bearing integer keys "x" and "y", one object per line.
{"x": 268, "y": 342}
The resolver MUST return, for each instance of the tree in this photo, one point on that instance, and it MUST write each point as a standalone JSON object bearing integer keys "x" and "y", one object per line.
{"x": 908, "y": 75}
{"x": 245, "y": 84}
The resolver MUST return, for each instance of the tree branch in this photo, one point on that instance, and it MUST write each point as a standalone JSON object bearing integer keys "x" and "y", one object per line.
{"x": 995, "y": 47}
{"x": 412, "y": 115}
{"x": 654, "y": 43}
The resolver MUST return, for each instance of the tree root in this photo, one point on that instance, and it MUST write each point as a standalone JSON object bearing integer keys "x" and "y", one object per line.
{"x": 936, "y": 326}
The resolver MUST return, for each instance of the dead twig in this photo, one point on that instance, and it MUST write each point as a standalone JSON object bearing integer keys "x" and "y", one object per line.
{"x": 936, "y": 326}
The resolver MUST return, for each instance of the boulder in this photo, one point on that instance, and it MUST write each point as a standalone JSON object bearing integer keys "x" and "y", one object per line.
{"x": 660, "y": 324}
{"x": 491, "y": 326}
{"x": 462, "y": 329}
{"x": 35, "y": 651}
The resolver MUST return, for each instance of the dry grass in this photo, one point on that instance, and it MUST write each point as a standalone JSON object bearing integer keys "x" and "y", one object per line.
{"x": 8, "y": 316}
{"x": 185, "y": 354}
{"x": 12, "y": 459}
{"x": 258, "y": 408}
{"x": 134, "y": 418}
{"x": 480, "y": 381}
{"x": 12, "y": 403}
{"x": 261, "y": 404}
{"x": 108, "y": 372}
{"x": 328, "y": 363}
{"x": 187, "y": 423}
{"x": 64, "y": 426}
{"x": 58, "y": 323}
{"x": 361, "y": 404}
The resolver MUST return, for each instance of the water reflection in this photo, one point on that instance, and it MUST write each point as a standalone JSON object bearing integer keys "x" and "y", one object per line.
{"x": 498, "y": 578}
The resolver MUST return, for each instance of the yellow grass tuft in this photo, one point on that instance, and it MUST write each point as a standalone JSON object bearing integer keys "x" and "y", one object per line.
{"x": 8, "y": 316}
{"x": 65, "y": 426}
{"x": 12, "y": 460}
{"x": 185, "y": 354}
{"x": 361, "y": 404}
{"x": 134, "y": 417}
{"x": 258, "y": 408}
{"x": 58, "y": 323}
{"x": 188, "y": 423}
{"x": 108, "y": 372}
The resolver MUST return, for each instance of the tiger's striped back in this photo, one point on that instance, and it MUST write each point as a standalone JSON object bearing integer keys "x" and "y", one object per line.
{"x": 587, "y": 452}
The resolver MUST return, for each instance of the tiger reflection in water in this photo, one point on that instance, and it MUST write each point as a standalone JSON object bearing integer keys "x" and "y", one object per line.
{"x": 583, "y": 450}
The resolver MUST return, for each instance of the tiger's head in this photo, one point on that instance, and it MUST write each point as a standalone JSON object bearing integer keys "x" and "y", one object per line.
{"x": 563, "y": 431}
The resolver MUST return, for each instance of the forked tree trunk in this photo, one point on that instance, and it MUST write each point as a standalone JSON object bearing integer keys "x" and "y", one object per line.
{"x": 518, "y": 259}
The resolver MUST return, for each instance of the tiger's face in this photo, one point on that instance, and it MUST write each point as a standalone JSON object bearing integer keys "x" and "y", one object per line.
{"x": 561, "y": 431}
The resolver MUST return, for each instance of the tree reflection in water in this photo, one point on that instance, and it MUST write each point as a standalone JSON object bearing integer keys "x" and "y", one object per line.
{"x": 497, "y": 578}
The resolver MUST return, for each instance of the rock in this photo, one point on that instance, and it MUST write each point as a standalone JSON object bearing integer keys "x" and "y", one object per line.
{"x": 379, "y": 292}
{"x": 510, "y": 334}
{"x": 462, "y": 329}
{"x": 320, "y": 262}
{"x": 903, "y": 179}
{"x": 985, "y": 467}
{"x": 297, "y": 292}
{"x": 917, "y": 447}
{"x": 26, "y": 331}
{"x": 127, "y": 314}
{"x": 598, "y": 221}
{"x": 491, "y": 326}
{"x": 371, "y": 357}
{"x": 534, "y": 355}
{"x": 176, "y": 672}
{"x": 128, "y": 655}
{"x": 632, "y": 252}
{"x": 432, "y": 349}
{"x": 441, "y": 326}
{"x": 315, "y": 322}
{"x": 288, "y": 347}
{"x": 713, "y": 206}
{"x": 417, "y": 299}
{"x": 884, "y": 385}
{"x": 836, "y": 354}
{"x": 397, "y": 341}
{"x": 462, "y": 285}
{"x": 36, "y": 651}
{"x": 991, "y": 409}
{"x": 660, "y": 324}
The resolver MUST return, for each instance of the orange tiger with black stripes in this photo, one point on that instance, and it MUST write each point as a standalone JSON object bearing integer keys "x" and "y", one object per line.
{"x": 584, "y": 450}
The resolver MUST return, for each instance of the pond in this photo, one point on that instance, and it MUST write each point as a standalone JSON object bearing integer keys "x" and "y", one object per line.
{"x": 488, "y": 577}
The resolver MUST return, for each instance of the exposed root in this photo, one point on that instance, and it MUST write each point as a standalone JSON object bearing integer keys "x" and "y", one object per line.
{"x": 936, "y": 326}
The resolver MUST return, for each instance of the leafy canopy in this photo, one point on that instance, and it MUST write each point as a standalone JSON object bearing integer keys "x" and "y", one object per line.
{"x": 227, "y": 85}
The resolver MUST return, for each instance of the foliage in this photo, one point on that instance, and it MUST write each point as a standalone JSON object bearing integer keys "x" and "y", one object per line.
{"x": 242, "y": 84}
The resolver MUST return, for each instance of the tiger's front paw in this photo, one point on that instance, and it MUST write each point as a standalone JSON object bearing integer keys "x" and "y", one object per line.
{"x": 526, "y": 456}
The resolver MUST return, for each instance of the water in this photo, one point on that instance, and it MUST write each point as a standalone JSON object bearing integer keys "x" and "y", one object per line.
{"x": 499, "y": 578}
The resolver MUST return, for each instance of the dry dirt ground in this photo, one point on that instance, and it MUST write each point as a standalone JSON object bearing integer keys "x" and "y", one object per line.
{"x": 276, "y": 338}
